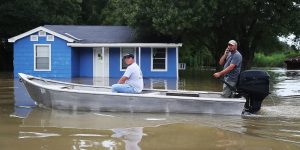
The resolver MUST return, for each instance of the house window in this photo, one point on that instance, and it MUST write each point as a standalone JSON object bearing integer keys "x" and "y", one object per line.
{"x": 159, "y": 59}
{"x": 42, "y": 57}
{"x": 34, "y": 38}
{"x": 124, "y": 51}
{"x": 50, "y": 38}
{"x": 42, "y": 33}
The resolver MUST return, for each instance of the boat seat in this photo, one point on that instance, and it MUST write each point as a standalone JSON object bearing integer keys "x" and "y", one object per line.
{"x": 183, "y": 94}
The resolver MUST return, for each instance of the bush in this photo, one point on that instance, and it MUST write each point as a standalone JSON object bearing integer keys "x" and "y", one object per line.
{"x": 273, "y": 60}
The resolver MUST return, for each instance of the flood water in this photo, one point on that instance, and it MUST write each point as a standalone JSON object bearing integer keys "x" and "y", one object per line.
{"x": 275, "y": 127}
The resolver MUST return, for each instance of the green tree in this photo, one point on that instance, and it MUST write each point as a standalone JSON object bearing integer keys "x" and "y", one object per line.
{"x": 213, "y": 23}
{"x": 60, "y": 11}
{"x": 112, "y": 14}
{"x": 91, "y": 12}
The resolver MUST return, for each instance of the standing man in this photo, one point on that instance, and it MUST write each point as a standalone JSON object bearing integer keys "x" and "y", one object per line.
{"x": 232, "y": 61}
{"x": 132, "y": 80}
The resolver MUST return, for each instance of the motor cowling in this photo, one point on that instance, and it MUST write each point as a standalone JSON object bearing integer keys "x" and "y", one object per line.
{"x": 254, "y": 86}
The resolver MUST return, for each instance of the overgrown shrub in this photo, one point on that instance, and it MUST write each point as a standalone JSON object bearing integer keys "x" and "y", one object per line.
{"x": 273, "y": 60}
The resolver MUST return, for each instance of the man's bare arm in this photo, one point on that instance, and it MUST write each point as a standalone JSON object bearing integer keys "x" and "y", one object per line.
{"x": 223, "y": 58}
{"x": 225, "y": 71}
{"x": 122, "y": 80}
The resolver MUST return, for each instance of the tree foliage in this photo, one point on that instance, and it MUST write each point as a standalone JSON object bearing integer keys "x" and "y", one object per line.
{"x": 213, "y": 23}
{"x": 92, "y": 11}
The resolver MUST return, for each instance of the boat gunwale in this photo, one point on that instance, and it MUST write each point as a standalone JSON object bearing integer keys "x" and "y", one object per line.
{"x": 26, "y": 78}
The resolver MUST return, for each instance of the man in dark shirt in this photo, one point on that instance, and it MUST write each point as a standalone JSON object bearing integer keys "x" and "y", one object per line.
{"x": 232, "y": 61}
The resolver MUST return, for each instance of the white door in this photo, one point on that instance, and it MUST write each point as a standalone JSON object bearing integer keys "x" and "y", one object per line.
{"x": 101, "y": 62}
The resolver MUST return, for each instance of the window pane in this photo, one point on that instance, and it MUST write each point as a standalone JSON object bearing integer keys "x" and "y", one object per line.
{"x": 42, "y": 66}
{"x": 42, "y": 57}
{"x": 42, "y": 33}
{"x": 42, "y": 63}
{"x": 159, "y": 66}
{"x": 42, "y": 51}
{"x": 34, "y": 38}
{"x": 159, "y": 53}
{"x": 159, "y": 58}
{"x": 159, "y": 61}
{"x": 124, "y": 51}
{"x": 50, "y": 38}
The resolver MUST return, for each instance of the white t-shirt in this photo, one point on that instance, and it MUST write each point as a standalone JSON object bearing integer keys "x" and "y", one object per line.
{"x": 135, "y": 77}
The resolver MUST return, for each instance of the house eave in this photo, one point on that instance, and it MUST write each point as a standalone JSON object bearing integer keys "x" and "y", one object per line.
{"x": 15, "y": 38}
{"x": 124, "y": 44}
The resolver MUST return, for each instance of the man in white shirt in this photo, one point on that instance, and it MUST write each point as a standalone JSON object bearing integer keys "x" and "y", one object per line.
{"x": 132, "y": 80}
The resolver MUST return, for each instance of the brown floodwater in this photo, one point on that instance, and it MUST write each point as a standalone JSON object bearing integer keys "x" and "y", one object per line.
{"x": 275, "y": 127}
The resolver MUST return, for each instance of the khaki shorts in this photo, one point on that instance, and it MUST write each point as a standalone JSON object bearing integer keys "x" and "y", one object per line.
{"x": 226, "y": 90}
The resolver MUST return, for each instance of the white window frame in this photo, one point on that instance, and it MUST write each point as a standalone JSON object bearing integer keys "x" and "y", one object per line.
{"x": 50, "y": 37}
{"x": 166, "y": 67}
{"x": 34, "y": 38}
{"x": 42, "y": 33}
{"x": 34, "y": 57}
{"x": 121, "y": 57}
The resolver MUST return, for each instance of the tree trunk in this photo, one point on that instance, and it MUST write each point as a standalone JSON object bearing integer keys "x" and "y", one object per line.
{"x": 247, "y": 50}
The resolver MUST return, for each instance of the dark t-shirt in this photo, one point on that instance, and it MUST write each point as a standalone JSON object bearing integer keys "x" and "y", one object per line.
{"x": 235, "y": 58}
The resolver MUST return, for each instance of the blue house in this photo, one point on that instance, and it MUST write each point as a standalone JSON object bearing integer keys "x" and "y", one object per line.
{"x": 90, "y": 51}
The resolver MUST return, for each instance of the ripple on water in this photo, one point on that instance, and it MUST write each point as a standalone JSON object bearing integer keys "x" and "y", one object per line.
{"x": 288, "y": 83}
{"x": 281, "y": 111}
{"x": 25, "y": 135}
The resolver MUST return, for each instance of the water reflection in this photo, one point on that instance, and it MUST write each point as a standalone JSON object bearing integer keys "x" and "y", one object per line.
{"x": 24, "y": 135}
{"x": 286, "y": 82}
{"x": 129, "y": 128}
{"x": 131, "y": 137}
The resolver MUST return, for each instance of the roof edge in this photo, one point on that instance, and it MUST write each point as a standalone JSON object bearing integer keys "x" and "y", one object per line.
{"x": 124, "y": 44}
{"x": 15, "y": 38}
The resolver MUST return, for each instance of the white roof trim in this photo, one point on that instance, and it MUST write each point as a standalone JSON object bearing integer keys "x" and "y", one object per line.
{"x": 15, "y": 38}
{"x": 124, "y": 44}
{"x": 70, "y": 35}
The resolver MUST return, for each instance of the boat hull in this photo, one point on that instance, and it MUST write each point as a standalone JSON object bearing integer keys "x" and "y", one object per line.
{"x": 48, "y": 96}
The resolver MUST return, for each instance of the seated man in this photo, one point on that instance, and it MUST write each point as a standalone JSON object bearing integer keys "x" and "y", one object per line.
{"x": 132, "y": 80}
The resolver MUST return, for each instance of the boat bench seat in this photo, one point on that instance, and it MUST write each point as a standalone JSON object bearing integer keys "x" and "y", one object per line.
{"x": 183, "y": 94}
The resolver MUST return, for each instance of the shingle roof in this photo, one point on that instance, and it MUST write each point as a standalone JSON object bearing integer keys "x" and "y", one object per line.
{"x": 96, "y": 34}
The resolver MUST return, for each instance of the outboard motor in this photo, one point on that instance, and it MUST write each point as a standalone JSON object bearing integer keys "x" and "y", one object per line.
{"x": 254, "y": 86}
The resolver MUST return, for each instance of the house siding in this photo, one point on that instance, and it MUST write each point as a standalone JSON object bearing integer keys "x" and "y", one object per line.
{"x": 171, "y": 68}
{"x": 86, "y": 62}
{"x": 82, "y": 62}
{"x": 75, "y": 62}
{"x": 114, "y": 64}
{"x": 114, "y": 57}
{"x": 60, "y": 57}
